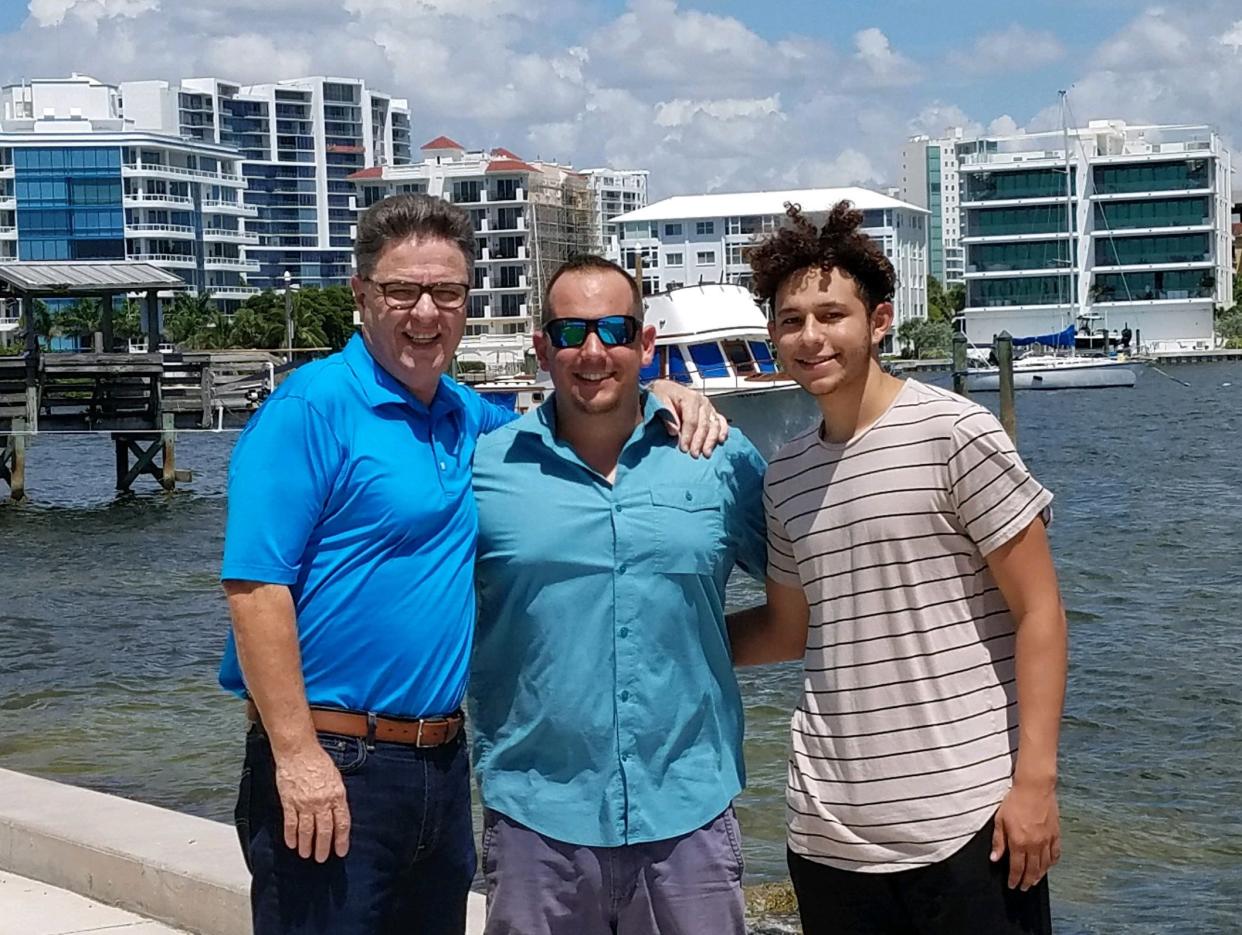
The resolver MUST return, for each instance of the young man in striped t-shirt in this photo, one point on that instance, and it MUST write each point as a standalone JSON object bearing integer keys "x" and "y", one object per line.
{"x": 908, "y": 566}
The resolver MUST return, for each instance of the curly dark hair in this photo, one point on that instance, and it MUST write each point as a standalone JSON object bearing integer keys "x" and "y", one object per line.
{"x": 838, "y": 245}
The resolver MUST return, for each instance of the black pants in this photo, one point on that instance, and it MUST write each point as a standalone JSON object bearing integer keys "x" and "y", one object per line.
{"x": 965, "y": 894}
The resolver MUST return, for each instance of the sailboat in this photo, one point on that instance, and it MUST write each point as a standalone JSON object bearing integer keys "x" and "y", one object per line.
{"x": 1051, "y": 370}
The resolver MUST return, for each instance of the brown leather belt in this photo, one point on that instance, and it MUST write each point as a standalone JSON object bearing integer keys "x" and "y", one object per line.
{"x": 425, "y": 732}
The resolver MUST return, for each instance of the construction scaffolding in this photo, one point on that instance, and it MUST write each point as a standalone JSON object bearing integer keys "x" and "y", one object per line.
{"x": 563, "y": 223}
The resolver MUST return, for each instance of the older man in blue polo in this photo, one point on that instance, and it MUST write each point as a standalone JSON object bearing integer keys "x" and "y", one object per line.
{"x": 608, "y": 722}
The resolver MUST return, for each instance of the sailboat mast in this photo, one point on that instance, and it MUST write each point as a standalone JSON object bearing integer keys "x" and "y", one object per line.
{"x": 1069, "y": 219}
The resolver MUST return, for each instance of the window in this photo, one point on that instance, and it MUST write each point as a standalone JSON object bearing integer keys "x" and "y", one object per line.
{"x": 746, "y": 225}
{"x": 674, "y": 259}
{"x": 465, "y": 192}
{"x": 672, "y": 230}
{"x": 739, "y": 353}
{"x": 704, "y": 228}
{"x": 506, "y": 189}
{"x": 733, "y": 254}
{"x": 509, "y": 277}
{"x": 706, "y": 257}
{"x": 511, "y": 304}
{"x": 477, "y": 307}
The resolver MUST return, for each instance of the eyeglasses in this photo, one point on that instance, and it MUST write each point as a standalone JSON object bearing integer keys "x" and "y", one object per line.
{"x": 403, "y": 296}
{"x": 613, "y": 330}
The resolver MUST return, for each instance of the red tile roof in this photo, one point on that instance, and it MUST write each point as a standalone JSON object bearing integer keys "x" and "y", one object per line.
{"x": 372, "y": 172}
{"x": 505, "y": 153}
{"x": 443, "y": 142}
{"x": 510, "y": 165}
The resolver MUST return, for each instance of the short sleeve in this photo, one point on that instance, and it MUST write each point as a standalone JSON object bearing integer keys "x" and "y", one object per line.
{"x": 993, "y": 493}
{"x": 282, "y": 471}
{"x": 782, "y": 566}
{"x": 487, "y": 415}
{"x": 745, "y": 518}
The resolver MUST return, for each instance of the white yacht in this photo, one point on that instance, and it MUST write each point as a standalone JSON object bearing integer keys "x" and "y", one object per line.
{"x": 1052, "y": 372}
{"x": 712, "y": 338}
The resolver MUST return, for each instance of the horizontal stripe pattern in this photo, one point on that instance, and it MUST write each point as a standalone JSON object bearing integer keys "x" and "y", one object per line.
{"x": 904, "y": 740}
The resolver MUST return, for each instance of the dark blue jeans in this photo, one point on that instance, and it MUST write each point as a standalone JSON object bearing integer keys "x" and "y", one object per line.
{"x": 411, "y": 845}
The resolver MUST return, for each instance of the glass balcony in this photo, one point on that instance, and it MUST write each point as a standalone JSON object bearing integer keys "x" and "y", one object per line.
{"x": 999, "y": 222}
{"x": 1024, "y": 255}
{"x": 1162, "y": 212}
{"x": 1139, "y": 251}
{"x": 1027, "y": 290}
{"x": 1153, "y": 177}
{"x": 1140, "y": 287}
{"x": 1020, "y": 183}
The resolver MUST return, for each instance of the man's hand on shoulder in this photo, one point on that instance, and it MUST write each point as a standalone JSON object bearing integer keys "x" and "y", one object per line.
{"x": 312, "y": 797}
{"x": 699, "y": 428}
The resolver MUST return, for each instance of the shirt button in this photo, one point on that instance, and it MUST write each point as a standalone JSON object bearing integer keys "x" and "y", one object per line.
{"x": 621, "y": 569}
{"x": 442, "y": 466}
{"x": 625, "y": 696}
{"x": 689, "y": 495}
{"x": 623, "y": 632}
{"x": 617, "y": 508}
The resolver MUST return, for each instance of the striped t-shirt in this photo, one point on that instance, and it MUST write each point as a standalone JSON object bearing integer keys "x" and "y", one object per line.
{"x": 903, "y": 743}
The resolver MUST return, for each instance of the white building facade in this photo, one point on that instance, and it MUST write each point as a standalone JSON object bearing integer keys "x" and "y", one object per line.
{"x": 528, "y": 216}
{"x": 78, "y": 182}
{"x": 690, "y": 239}
{"x": 300, "y": 139}
{"x": 929, "y": 179}
{"x": 617, "y": 192}
{"x": 1140, "y": 241}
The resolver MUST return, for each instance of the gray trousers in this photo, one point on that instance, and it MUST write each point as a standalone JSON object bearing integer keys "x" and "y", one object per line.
{"x": 689, "y": 885}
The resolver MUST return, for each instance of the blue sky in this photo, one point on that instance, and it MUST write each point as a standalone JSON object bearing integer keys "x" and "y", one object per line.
{"x": 708, "y": 96}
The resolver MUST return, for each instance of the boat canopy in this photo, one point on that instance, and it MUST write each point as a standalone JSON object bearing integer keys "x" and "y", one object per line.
{"x": 1059, "y": 339}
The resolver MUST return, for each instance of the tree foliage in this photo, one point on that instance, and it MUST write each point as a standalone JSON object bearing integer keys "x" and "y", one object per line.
{"x": 942, "y": 303}
{"x": 322, "y": 317}
{"x": 925, "y": 338}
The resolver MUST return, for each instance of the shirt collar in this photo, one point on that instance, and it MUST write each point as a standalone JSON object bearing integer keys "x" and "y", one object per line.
{"x": 544, "y": 423}
{"x": 381, "y": 388}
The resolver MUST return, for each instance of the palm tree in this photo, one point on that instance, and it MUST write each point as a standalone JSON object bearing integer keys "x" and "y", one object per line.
{"x": 186, "y": 317}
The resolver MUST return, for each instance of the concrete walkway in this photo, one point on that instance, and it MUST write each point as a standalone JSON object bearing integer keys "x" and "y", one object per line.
{"x": 186, "y": 872}
{"x": 28, "y": 907}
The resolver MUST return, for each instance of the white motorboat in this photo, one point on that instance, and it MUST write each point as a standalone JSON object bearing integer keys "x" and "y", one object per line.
{"x": 712, "y": 338}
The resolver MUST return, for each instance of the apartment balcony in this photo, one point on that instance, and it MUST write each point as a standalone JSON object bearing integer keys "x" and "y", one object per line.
{"x": 165, "y": 259}
{"x": 972, "y": 271}
{"x": 8, "y": 201}
{"x": 155, "y": 200}
{"x": 493, "y": 284}
{"x": 5, "y": 258}
{"x": 1207, "y": 226}
{"x": 1006, "y": 238}
{"x": 1154, "y": 193}
{"x": 152, "y": 229}
{"x": 233, "y": 292}
{"x": 232, "y": 263}
{"x": 1112, "y": 267}
{"x": 160, "y": 170}
{"x": 8, "y": 233}
{"x": 7, "y": 172}
{"x": 229, "y": 235}
{"x": 230, "y": 207}
{"x": 1015, "y": 202}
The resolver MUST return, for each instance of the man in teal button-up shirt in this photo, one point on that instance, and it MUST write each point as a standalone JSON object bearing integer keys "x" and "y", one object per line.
{"x": 607, "y": 718}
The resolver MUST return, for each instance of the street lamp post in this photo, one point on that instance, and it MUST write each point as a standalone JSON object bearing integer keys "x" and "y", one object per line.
{"x": 289, "y": 314}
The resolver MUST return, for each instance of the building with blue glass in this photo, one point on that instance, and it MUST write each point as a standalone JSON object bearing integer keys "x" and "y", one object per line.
{"x": 78, "y": 183}
{"x": 1128, "y": 230}
{"x": 299, "y": 139}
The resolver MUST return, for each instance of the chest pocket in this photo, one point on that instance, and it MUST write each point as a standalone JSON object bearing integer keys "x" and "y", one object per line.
{"x": 690, "y": 530}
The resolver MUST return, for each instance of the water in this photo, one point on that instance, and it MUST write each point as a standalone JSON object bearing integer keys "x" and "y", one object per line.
{"x": 112, "y": 623}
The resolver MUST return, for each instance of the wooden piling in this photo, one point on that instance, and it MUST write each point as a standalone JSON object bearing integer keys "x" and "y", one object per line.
{"x": 13, "y": 460}
{"x": 960, "y": 365}
{"x": 168, "y": 435}
{"x": 1004, "y": 360}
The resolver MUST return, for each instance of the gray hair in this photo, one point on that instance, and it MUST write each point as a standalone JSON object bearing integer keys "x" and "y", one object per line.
{"x": 400, "y": 217}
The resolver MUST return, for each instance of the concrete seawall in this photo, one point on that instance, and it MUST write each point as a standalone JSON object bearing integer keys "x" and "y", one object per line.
{"x": 182, "y": 870}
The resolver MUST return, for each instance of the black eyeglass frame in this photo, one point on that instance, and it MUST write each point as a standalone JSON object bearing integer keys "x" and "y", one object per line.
{"x": 552, "y": 330}
{"x": 428, "y": 288}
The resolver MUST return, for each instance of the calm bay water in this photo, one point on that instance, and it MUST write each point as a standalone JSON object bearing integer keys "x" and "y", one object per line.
{"x": 112, "y": 622}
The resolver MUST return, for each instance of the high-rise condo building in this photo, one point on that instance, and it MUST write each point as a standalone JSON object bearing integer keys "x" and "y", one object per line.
{"x": 300, "y": 139}
{"x": 692, "y": 239}
{"x": 616, "y": 191}
{"x": 79, "y": 182}
{"x": 529, "y": 217}
{"x": 1130, "y": 229}
{"x": 929, "y": 179}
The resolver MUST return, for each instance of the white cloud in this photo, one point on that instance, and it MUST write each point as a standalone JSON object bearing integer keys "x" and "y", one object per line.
{"x": 1232, "y": 37}
{"x": 878, "y": 64}
{"x": 54, "y": 12}
{"x": 1014, "y": 49}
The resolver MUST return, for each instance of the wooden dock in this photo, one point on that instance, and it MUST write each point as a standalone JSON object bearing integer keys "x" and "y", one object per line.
{"x": 140, "y": 401}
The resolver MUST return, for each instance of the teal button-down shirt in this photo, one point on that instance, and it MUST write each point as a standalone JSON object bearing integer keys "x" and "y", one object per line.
{"x": 604, "y": 704}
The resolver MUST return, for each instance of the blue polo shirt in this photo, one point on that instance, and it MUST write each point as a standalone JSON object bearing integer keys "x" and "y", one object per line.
{"x": 603, "y": 699}
{"x": 346, "y": 488}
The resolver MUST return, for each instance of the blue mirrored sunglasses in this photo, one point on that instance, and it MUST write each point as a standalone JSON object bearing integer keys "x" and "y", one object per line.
{"x": 613, "y": 330}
